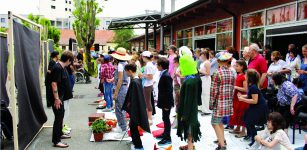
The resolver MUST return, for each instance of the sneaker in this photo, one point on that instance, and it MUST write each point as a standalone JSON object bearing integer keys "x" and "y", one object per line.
{"x": 117, "y": 129}
{"x": 220, "y": 148}
{"x": 121, "y": 135}
{"x": 107, "y": 110}
{"x": 67, "y": 127}
{"x": 165, "y": 141}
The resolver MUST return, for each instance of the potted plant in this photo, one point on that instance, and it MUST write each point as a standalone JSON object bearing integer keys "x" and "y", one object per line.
{"x": 99, "y": 126}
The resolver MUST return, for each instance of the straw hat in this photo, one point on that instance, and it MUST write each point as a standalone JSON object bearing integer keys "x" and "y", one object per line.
{"x": 121, "y": 54}
{"x": 223, "y": 56}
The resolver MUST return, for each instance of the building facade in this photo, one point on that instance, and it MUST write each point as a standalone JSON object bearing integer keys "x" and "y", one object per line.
{"x": 219, "y": 24}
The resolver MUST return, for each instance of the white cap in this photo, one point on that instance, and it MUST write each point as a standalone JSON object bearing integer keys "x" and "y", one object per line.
{"x": 146, "y": 54}
{"x": 184, "y": 50}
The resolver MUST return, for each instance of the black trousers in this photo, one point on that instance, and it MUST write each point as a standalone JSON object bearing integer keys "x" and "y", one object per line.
{"x": 135, "y": 135}
{"x": 167, "y": 123}
{"x": 58, "y": 123}
{"x": 251, "y": 131}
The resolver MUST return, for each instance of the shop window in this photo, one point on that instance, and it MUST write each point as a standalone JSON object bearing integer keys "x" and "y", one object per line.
{"x": 187, "y": 33}
{"x": 179, "y": 34}
{"x": 199, "y": 31}
{"x": 224, "y": 26}
{"x": 210, "y": 28}
{"x": 302, "y": 10}
{"x": 187, "y": 42}
{"x": 281, "y": 14}
{"x": 2, "y": 20}
{"x": 179, "y": 43}
{"x": 253, "y": 20}
{"x": 252, "y": 36}
{"x": 224, "y": 40}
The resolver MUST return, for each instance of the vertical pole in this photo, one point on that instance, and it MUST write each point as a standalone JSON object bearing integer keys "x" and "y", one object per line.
{"x": 172, "y": 6}
{"x": 155, "y": 36}
{"x": 12, "y": 75}
{"x": 161, "y": 26}
{"x": 171, "y": 37}
{"x": 146, "y": 37}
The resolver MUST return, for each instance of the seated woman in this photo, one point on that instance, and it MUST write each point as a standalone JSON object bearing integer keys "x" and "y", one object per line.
{"x": 274, "y": 137}
{"x": 288, "y": 97}
{"x": 257, "y": 112}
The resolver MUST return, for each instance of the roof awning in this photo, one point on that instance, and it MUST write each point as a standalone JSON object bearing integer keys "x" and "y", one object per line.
{"x": 135, "y": 22}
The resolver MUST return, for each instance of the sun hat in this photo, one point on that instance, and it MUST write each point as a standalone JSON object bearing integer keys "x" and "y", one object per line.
{"x": 146, "y": 54}
{"x": 223, "y": 56}
{"x": 121, "y": 54}
{"x": 184, "y": 50}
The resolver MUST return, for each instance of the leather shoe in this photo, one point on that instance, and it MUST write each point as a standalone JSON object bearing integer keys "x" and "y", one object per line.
{"x": 165, "y": 141}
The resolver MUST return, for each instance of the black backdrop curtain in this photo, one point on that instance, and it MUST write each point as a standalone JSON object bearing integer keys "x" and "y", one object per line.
{"x": 3, "y": 68}
{"x": 27, "y": 60}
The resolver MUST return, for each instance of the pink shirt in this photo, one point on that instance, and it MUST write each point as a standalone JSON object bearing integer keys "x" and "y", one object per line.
{"x": 260, "y": 65}
{"x": 171, "y": 69}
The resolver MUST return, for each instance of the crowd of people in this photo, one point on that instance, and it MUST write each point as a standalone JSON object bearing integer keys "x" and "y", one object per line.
{"x": 233, "y": 91}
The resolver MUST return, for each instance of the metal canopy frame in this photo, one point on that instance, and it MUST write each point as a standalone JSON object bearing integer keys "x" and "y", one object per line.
{"x": 13, "y": 98}
{"x": 135, "y": 22}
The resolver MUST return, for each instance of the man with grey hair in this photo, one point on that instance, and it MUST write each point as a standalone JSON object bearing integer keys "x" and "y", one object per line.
{"x": 258, "y": 63}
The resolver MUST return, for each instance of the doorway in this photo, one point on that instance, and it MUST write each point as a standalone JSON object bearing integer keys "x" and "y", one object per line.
{"x": 205, "y": 43}
{"x": 280, "y": 43}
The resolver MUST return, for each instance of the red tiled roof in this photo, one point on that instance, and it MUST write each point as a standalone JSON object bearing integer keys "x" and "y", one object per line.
{"x": 102, "y": 37}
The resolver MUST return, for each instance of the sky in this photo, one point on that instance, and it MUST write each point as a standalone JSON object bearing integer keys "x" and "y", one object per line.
{"x": 111, "y": 8}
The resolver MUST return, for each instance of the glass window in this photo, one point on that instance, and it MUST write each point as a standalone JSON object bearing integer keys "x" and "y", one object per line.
{"x": 179, "y": 43}
{"x": 107, "y": 23}
{"x": 253, "y": 20}
{"x": 244, "y": 39}
{"x": 252, "y": 36}
{"x": 224, "y": 40}
{"x": 225, "y": 25}
{"x": 187, "y": 42}
{"x": 210, "y": 28}
{"x": 281, "y": 14}
{"x": 179, "y": 34}
{"x": 187, "y": 33}
{"x": 302, "y": 10}
{"x": 3, "y": 20}
{"x": 198, "y": 31}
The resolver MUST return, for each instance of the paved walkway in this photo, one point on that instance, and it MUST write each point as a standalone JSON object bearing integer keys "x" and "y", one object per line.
{"x": 78, "y": 121}
{"x": 79, "y": 111}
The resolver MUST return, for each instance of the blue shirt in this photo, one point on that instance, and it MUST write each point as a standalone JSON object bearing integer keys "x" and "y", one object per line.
{"x": 213, "y": 66}
{"x": 286, "y": 92}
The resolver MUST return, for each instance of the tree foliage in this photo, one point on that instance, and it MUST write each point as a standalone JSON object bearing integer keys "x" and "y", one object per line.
{"x": 85, "y": 25}
{"x": 48, "y": 32}
{"x": 122, "y": 37}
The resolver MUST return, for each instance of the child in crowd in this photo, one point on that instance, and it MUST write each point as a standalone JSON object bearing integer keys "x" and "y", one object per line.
{"x": 165, "y": 99}
{"x": 239, "y": 107}
{"x": 135, "y": 106}
{"x": 257, "y": 112}
{"x": 177, "y": 83}
{"x": 273, "y": 137}
{"x": 190, "y": 99}
{"x": 107, "y": 78}
{"x": 99, "y": 61}
{"x": 149, "y": 71}
{"x": 221, "y": 94}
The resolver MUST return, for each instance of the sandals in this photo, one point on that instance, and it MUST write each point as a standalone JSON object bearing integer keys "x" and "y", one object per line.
{"x": 234, "y": 132}
{"x": 217, "y": 142}
{"x": 240, "y": 135}
{"x": 185, "y": 147}
{"x": 61, "y": 145}
{"x": 64, "y": 136}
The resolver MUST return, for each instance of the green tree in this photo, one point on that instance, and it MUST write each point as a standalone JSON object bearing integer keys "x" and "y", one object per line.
{"x": 122, "y": 37}
{"x": 85, "y": 25}
{"x": 48, "y": 31}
